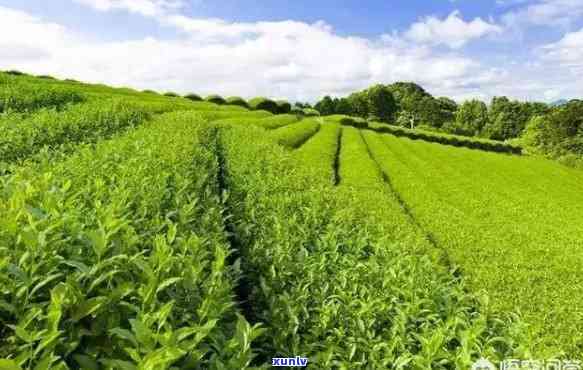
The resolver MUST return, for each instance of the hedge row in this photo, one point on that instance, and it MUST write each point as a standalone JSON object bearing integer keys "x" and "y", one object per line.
{"x": 319, "y": 153}
{"x": 445, "y": 139}
{"x": 24, "y": 135}
{"x": 235, "y": 100}
{"x": 236, "y": 116}
{"x": 117, "y": 258}
{"x": 216, "y": 99}
{"x": 28, "y": 97}
{"x": 347, "y": 120}
{"x": 264, "y": 104}
{"x": 293, "y": 136}
{"x": 339, "y": 279}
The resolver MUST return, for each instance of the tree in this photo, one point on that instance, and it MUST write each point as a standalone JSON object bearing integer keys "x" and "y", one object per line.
{"x": 407, "y": 119}
{"x": 508, "y": 119}
{"x": 447, "y": 109}
{"x": 359, "y": 104}
{"x": 381, "y": 104}
{"x": 326, "y": 106}
{"x": 415, "y": 101}
{"x": 557, "y": 133}
{"x": 343, "y": 106}
{"x": 470, "y": 118}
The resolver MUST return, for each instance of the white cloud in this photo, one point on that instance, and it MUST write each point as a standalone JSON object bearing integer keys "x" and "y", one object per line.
{"x": 147, "y": 8}
{"x": 567, "y": 52}
{"x": 545, "y": 13}
{"x": 287, "y": 59}
{"x": 20, "y": 34}
{"x": 452, "y": 31}
{"x": 279, "y": 59}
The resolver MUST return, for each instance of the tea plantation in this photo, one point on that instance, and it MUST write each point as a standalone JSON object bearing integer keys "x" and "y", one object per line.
{"x": 147, "y": 231}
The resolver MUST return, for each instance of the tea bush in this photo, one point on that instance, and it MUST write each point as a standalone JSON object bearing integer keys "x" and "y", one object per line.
{"x": 264, "y": 104}
{"x": 293, "y": 136}
{"x": 283, "y": 107}
{"x": 24, "y": 97}
{"x": 309, "y": 112}
{"x": 446, "y": 139}
{"x": 519, "y": 239}
{"x": 105, "y": 263}
{"x": 321, "y": 153}
{"x": 216, "y": 99}
{"x": 193, "y": 97}
{"x": 235, "y": 100}
{"x": 337, "y": 278}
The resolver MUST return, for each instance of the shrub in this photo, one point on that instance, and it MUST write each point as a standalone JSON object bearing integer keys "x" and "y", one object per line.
{"x": 193, "y": 97}
{"x": 297, "y": 111}
{"x": 135, "y": 269}
{"x": 354, "y": 122}
{"x": 283, "y": 107}
{"x": 310, "y": 112}
{"x": 447, "y": 139}
{"x": 348, "y": 120}
{"x": 28, "y": 97}
{"x": 171, "y": 94}
{"x": 293, "y": 136}
{"x": 557, "y": 133}
{"x": 46, "y": 77}
{"x": 217, "y": 99}
{"x": 265, "y": 104}
{"x": 15, "y": 73}
{"x": 235, "y": 100}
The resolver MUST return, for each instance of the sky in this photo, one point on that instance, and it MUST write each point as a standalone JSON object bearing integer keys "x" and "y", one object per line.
{"x": 303, "y": 50}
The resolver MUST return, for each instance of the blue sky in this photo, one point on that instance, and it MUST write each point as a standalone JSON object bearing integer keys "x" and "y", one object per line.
{"x": 527, "y": 49}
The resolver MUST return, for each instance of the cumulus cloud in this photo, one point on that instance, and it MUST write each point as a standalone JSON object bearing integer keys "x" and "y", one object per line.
{"x": 567, "y": 52}
{"x": 147, "y": 8}
{"x": 287, "y": 59}
{"x": 545, "y": 13}
{"x": 452, "y": 31}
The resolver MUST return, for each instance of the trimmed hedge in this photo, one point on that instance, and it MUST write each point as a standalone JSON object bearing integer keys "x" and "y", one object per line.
{"x": 193, "y": 97}
{"x": 295, "y": 135}
{"x": 297, "y": 111}
{"x": 265, "y": 104}
{"x": 283, "y": 107}
{"x": 15, "y": 73}
{"x": 217, "y": 99}
{"x": 347, "y": 120}
{"x": 235, "y": 100}
{"x": 268, "y": 123}
{"x": 309, "y": 112}
{"x": 459, "y": 141}
{"x": 24, "y": 96}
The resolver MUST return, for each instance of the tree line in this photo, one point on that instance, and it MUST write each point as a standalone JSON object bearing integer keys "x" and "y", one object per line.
{"x": 409, "y": 105}
{"x": 556, "y": 131}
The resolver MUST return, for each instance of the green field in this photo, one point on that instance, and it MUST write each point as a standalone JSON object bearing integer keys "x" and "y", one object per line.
{"x": 141, "y": 231}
